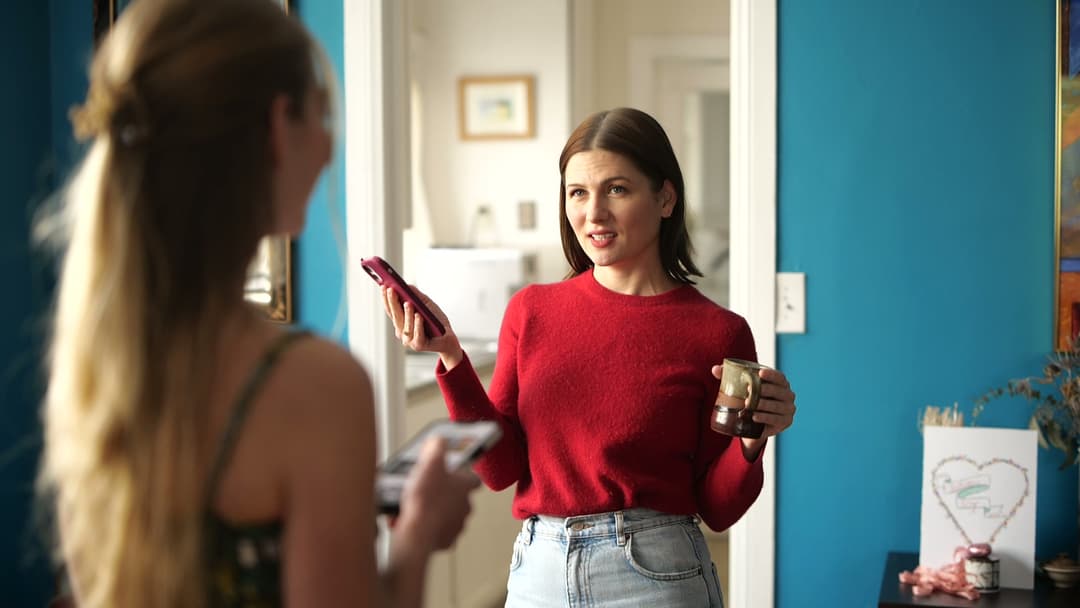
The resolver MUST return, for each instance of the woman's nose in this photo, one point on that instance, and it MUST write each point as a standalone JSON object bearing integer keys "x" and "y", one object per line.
{"x": 596, "y": 209}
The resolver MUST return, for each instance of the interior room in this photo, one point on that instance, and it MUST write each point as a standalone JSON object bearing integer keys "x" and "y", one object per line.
{"x": 898, "y": 157}
{"x": 464, "y": 185}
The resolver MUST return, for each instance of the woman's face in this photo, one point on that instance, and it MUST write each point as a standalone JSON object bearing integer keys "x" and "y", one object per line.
{"x": 614, "y": 211}
{"x": 303, "y": 147}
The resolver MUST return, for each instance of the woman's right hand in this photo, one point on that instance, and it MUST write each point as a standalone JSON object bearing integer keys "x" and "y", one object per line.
{"x": 434, "y": 501}
{"x": 409, "y": 327}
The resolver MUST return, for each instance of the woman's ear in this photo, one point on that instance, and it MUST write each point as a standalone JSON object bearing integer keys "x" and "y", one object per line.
{"x": 280, "y": 121}
{"x": 668, "y": 198}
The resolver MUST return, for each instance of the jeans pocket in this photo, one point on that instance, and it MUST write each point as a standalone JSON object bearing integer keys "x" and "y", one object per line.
{"x": 664, "y": 553}
{"x": 719, "y": 590}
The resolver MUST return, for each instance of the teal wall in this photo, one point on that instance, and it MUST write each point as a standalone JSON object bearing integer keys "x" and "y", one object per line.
{"x": 38, "y": 41}
{"x": 916, "y": 193}
{"x": 24, "y": 44}
{"x": 319, "y": 275}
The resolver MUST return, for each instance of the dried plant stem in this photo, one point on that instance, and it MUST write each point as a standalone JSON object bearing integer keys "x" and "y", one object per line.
{"x": 933, "y": 415}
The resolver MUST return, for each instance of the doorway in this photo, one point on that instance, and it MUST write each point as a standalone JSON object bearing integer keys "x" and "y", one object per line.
{"x": 377, "y": 171}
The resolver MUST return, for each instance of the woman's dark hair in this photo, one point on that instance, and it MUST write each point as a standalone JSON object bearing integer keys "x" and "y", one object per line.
{"x": 636, "y": 136}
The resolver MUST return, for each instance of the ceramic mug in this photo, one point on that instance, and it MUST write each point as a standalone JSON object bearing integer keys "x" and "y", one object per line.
{"x": 733, "y": 414}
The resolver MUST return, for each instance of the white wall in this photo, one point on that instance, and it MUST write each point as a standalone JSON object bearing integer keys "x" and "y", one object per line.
{"x": 453, "y": 177}
{"x": 614, "y": 22}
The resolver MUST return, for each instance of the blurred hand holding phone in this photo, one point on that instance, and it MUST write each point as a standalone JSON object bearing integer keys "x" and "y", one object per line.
{"x": 465, "y": 442}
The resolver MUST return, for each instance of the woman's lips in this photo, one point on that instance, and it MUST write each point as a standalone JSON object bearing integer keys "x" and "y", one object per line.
{"x": 601, "y": 239}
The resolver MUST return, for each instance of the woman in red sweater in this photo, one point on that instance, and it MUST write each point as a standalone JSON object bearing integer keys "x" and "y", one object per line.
{"x": 604, "y": 386}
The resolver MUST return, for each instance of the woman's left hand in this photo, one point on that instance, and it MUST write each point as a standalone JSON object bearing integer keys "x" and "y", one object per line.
{"x": 775, "y": 408}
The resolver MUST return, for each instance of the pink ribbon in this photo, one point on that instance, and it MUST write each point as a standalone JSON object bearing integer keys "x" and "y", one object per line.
{"x": 950, "y": 579}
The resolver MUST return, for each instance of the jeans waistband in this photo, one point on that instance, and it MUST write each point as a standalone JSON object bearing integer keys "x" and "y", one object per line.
{"x": 617, "y": 524}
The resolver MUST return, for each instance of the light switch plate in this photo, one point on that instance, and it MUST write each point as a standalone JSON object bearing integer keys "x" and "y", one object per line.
{"x": 791, "y": 302}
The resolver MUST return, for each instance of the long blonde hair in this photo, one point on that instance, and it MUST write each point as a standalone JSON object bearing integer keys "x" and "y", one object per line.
{"x": 161, "y": 219}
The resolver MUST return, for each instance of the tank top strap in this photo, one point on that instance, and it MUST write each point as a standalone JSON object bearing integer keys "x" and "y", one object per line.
{"x": 243, "y": 405}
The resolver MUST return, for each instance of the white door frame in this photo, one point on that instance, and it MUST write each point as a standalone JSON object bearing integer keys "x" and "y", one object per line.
{"x": 376, "y": 171}
{"x": 376, "y": 166}
{"x": 647, "y": 50}
{"x": 705, "y": 67}
{"x": 752, "y": 547}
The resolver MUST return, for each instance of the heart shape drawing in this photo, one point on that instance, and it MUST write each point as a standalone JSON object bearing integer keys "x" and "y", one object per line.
{"x": 980, "y": 498}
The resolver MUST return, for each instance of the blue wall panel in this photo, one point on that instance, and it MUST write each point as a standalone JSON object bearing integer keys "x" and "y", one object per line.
{"x": 26, "y": 174}
{"x": 319, "y": 252}
{"x": 916, "y": 193}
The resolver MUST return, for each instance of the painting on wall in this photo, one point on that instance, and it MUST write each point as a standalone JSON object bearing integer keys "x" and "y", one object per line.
{"x": 1067, "y": 207}
{"x": 496, "y": 107}
{"x": 978, "y": 486}
{"x": 269, "y": 277}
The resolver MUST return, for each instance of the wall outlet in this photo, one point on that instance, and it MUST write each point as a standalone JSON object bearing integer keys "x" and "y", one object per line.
{"x": 527, "y": 215}
{"x": 791, "y": 303}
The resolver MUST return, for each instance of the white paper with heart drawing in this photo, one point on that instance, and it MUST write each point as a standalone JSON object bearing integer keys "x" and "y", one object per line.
{"x": 979, "y": 487}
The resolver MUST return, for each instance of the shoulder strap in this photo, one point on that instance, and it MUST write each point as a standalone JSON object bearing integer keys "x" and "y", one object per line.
{"x": 243, "y": 405}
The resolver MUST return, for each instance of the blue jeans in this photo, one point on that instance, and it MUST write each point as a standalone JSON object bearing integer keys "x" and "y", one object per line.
{"x": 636, "y": 557}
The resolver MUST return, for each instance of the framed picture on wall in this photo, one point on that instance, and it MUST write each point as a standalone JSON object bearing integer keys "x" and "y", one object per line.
{"x": 496, "y": 107}
{"x": 105, "y": 12}
{"x": 269, "y": 277}
{"x": 1067, "y": 184}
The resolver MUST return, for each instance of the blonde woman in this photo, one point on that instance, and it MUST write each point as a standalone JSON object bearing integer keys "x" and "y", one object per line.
{"x": 196, "y": 454}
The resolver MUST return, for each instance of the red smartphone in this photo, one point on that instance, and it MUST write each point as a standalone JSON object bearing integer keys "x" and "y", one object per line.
{"x": 384, "y": 274}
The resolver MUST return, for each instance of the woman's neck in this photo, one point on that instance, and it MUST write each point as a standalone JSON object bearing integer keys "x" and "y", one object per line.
{"x": 635, "y": 282}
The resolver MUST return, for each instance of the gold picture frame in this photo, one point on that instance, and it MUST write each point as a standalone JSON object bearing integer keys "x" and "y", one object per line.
{"x": 105, "y": 12}
{"x": 496, "y": 107}
{"x": 1067, "y": 177}
{"x": 269, "y": 278}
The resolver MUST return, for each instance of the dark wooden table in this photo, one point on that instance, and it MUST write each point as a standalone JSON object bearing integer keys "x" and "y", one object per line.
{"x": 895, "y": 594}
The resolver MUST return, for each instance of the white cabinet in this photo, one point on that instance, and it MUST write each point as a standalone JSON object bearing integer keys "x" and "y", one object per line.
{"x": 472, "y": 286}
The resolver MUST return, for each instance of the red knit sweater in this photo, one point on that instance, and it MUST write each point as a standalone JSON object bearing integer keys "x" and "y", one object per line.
{"x": 605, "y": 401}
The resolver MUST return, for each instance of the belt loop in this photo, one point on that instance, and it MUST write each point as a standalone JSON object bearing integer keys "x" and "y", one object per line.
{"x": 530, "y": 529}
{"x": 620, "y": 535}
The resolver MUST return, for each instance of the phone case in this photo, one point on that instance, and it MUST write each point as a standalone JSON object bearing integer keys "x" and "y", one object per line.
{"x": 384, "y": 274}
{"x": 465, "y": 442}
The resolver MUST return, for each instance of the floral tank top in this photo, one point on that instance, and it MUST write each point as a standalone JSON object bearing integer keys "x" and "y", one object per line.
{"x": 244, "y": 560}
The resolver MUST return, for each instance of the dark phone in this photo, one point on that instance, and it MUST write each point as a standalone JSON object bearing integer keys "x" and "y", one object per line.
{"x": 384, "y": 274}
{"x": 465, "y": 442}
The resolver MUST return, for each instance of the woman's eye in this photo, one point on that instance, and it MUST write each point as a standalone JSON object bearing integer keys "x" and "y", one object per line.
{"x": 617, "y": 190}
{"x": 576, "y": 192}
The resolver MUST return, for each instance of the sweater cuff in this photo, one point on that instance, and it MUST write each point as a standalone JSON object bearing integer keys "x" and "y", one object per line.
{"x": 750, "y": 473}
{"x": 732, "y": 484}
{"x": 462, "y": 390}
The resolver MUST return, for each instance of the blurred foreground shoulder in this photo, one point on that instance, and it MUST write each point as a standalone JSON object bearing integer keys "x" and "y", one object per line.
{"x": 322, "y": 386}
{"x": 329, "y": 362}
{"x": 327, "y": 449}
